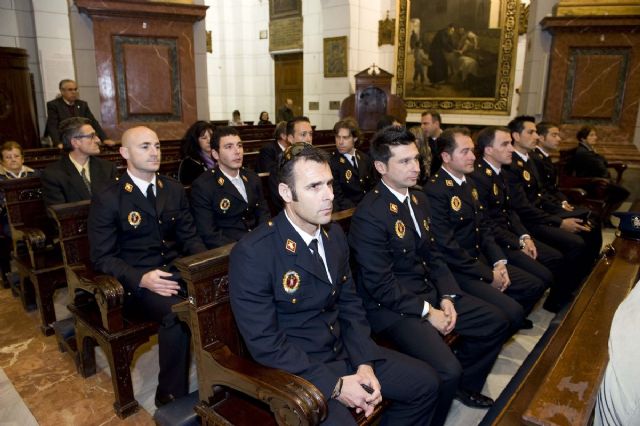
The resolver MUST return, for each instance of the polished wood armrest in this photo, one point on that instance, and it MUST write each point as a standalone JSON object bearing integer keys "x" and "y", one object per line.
{"x": 619, "y": 167}
{"x": 288, "y": 396}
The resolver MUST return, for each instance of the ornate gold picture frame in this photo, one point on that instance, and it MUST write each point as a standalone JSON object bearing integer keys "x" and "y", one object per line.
{"x": 457, "y": 56}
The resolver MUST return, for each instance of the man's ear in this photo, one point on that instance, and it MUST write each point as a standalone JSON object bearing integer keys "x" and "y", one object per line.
{"x": 124, "y": 151}
{"x": 380, "y": 167}
{"x": 446, "y": 158}
{"x": 215, "y": 155}
{"x": 285, "y": 192}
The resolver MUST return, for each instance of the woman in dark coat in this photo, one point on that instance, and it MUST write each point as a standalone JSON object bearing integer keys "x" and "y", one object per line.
{"x": 196, "y": 152}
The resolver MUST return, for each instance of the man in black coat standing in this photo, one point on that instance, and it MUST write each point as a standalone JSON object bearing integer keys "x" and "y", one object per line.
{"x": 227, "y": 202}
{"x": 78, "y": 173}
{"x": 68, "y": 105}
{"x": 295, "y": 304}
{"x": 137, "y": 227}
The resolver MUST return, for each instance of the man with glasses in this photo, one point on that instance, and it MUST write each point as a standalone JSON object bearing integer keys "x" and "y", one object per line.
{"x": 295, "y": 304}
{"x": 78, "y": 173}
{"x": 68, "y": 105}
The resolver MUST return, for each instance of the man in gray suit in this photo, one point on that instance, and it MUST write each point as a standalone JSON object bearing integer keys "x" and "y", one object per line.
{"x": 78, "y": 173}
{"x": 68, "y": 105}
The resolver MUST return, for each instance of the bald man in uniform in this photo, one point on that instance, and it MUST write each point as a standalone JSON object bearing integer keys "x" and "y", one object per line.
{"x": 137, "y": 227}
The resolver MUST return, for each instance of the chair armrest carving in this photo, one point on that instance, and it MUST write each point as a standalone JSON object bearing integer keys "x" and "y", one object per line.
{"x": 619, "y": 167}
{"x": 292, "y": 399}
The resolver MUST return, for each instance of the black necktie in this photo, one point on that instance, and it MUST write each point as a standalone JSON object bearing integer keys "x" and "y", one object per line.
{"x": 313, "y": 245}
{"x": 406, "y": 203}
{"x": 353, "y": 160}
{"x": 151, "y": 196}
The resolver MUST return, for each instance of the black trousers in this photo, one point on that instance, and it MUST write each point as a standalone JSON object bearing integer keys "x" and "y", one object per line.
{"x": 173, "y": 339}
{"x": 410, "y": 384}
{"x": 483, "y": 328}
{"x": 578, "y": 258}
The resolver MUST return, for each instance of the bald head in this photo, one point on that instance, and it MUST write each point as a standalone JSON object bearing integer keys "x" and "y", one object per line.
{"x": 141, "y": 149}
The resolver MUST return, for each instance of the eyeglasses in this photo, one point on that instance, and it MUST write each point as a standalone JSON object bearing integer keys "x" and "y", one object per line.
{"x": 87, "y": 136}
{"x": 293, "y": 151}
{"x": 70, "y": 89}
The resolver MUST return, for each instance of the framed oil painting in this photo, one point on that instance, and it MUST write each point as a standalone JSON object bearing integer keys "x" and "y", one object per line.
{"x": 335, "y": 56}
{"x": 457, "y": 56}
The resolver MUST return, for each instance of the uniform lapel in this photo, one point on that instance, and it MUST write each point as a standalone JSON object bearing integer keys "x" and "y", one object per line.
{"x": 294, "y": 245}
{"x": 228, "y": 186}
{"x": 330, "y": 253}
{"x": 161, "y": 195}
{"x": 135, "y": 196}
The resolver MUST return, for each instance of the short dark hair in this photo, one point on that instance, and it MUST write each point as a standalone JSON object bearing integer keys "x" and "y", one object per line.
{"x": 281, "y": 129}
{"x": 543, "y": 127}
{"x": 69, "y": 128}
{"x": 517, "y": 124}
{"x": 447, "y": 140}
{"x": 291, "y": 156}
{"x": 190, "y": 146}
{"x": 350, "y": 124}
{"x": 584, "y": 132}
{"x": 219, "y": 133}
{"x": 434, "y": 114}
{"x": 487, "y": 136}
{"x": 384, "y": 139}
{"x": 291, "y": 124}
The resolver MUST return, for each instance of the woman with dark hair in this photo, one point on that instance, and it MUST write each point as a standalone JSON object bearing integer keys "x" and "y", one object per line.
{"x": 264, "y": 118}
{"x": 196, "y": 152}
{"x": 588, "y": 163}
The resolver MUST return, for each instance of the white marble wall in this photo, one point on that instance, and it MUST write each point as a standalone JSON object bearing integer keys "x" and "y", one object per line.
{"x": 240, "y": 69}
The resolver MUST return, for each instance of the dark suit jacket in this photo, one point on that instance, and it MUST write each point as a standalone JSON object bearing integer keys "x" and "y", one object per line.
{"x": 221, "y": 214}
{"x": 57, "y": 110}
{"x": 290, "y": 316}
{"x": 494, "y": 195}
{"x": 350, "y": 184}
{"x": 588, "y": 163}
{"x": 128, "y": 238}
{"x": 397, "y": 270}
{"x": 526, "y": 199}
{"x": 61, "y": 182}
{"x": 190, "y": 169}
{"x": 268, "y": 157}
{"x": 547, "y": 174}
{"x": 464, "y": 238}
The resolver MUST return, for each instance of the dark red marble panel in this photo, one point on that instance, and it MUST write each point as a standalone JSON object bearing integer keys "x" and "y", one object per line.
{"x": 148, "y": 63}
{"x": 596, "y": 86}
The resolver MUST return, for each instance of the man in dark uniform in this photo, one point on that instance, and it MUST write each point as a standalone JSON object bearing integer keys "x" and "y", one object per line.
{"x": 563, "y": 234}
{"x": 78, "y": 174}
{"x": 353, "y": 174}
{"x": 68, "y": 105}
{"x": 227, "y": 202}
{"x": 409, "y": 293}
{"x": 294, "y": 301}
{"x": 270, "y": 154}
{"x": 137, "y": 227}
{"x": 466, "y": 239}
{"x": 495, "y": 148}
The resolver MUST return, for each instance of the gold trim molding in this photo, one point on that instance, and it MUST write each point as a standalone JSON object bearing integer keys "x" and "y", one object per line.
{"x": 597, "y": 8}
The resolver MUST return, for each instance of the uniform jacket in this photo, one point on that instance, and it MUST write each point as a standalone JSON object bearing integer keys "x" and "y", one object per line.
{"x": 525, "y": 193}
{"x": 57, "y": 110}
{"x": 462, "y": 234}
{"x": 350, "y": 184}
{"x": 290, "y": 316}
{"x": 268, "y": 157}
{"x": 494, "y": 196}
{"x": 548, "y": 174}
{"x": 221, "y": 214}
{"x": 397, "y": 269}
{"x": 189, "y": 170}
{"x": 128, "y": 238}
{"x": 61, "y": 182}
{"x": 588, "y": 163}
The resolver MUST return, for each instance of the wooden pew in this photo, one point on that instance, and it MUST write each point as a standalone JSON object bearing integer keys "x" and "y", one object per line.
{"x": 36, "y": 254}
{"x": 561, "y": 386}
{"x": 96, "y": 302}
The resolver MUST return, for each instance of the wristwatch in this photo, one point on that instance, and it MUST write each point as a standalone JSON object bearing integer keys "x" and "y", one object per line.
{"x": 337, "y": 389}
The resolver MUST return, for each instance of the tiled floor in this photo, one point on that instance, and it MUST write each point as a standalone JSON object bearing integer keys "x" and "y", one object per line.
{"x": 39, "y": 385}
